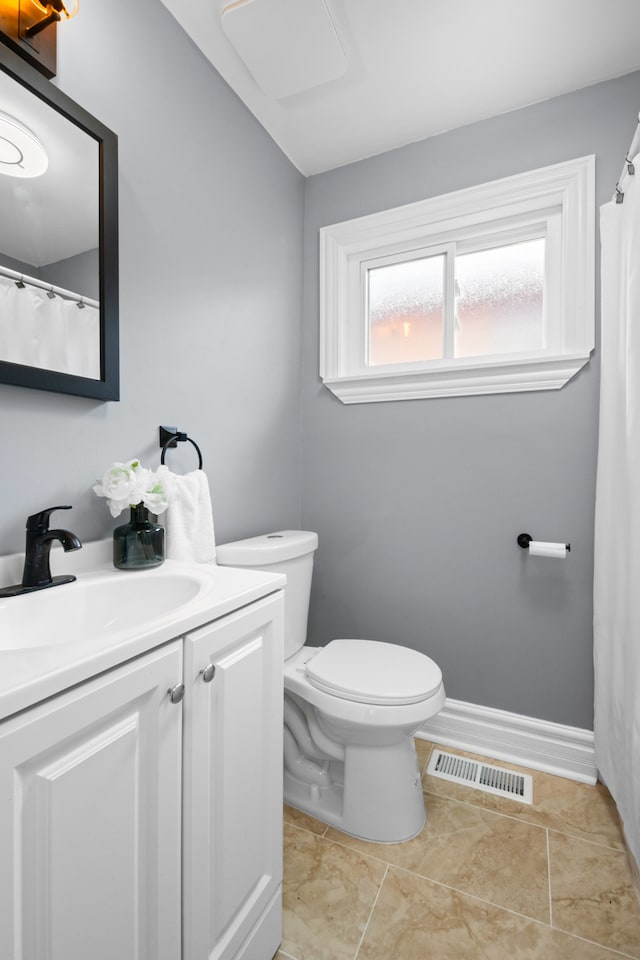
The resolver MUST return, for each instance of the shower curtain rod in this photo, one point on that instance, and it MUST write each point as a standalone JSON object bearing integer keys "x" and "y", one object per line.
{"x": 629, "y": 167}
{"x": 49, "y": 287}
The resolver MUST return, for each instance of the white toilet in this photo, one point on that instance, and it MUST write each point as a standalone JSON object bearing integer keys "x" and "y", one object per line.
{"x": 351, "y": 708}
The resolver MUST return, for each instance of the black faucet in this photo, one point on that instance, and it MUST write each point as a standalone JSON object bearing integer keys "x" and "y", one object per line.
{"x": 37, "y": 573}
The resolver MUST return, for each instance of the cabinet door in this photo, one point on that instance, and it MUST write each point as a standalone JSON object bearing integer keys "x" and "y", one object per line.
{"x": 90, "y": 823}
{"x": 232, "y": 879}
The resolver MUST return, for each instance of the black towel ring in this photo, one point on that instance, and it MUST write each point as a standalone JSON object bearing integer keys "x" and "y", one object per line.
{"x": 170, "y": 438}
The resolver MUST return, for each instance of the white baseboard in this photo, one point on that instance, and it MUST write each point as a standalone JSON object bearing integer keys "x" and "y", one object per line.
{"x": 538, "y": 744}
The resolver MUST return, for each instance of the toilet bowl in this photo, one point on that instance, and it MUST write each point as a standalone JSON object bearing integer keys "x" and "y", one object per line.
{"x": 351, "y": 709}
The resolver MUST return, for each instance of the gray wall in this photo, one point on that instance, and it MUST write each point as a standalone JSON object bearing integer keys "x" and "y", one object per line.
{"x": 418, "y": 503}
{"x": 211, "y": 217}
{"x": 19, "y": 265}
{"x": 80, "y": 274}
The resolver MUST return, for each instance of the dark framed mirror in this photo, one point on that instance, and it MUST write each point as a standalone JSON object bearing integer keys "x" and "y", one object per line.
{"x": 58, "y": 239}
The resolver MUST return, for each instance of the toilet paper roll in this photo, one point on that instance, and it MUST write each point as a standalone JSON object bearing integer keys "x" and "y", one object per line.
{"x": 542, "y": 548}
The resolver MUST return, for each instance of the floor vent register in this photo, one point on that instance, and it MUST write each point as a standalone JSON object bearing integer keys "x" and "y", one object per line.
{"x": 481, "y": 776}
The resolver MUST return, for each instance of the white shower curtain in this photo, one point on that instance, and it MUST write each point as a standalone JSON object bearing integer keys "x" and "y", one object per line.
{"x": 617, "y": 543}
{"x": 51, "y": 333}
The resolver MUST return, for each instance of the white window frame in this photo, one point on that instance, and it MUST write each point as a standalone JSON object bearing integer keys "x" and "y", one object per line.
{"x": 557, "y": 202}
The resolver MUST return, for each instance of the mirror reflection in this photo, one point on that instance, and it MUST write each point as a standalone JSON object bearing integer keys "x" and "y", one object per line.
{"x": 49, "y": 237}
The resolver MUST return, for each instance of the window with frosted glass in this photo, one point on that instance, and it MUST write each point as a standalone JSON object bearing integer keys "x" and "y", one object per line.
{"x": 406, "y": 311}
{"x": 500, "y": 300}
{"x": 488, "y": 289}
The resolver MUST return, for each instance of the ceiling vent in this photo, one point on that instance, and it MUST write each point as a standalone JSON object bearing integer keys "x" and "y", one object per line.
{"x": 287, "y": 45}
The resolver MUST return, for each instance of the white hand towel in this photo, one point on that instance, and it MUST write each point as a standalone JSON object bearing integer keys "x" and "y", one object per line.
{"x": 189, "y": 517}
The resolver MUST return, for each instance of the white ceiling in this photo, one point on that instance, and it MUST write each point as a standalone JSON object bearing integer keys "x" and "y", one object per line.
{"x": 419, "y": 67}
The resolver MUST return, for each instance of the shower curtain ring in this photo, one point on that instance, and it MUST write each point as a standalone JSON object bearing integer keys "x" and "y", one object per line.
{"x": 630, "y": 167}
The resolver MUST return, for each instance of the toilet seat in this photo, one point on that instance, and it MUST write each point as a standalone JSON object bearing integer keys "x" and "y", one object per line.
{"x": 369, "y": 671}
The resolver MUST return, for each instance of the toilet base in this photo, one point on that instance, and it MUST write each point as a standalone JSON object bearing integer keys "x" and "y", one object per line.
{"x": 382, "y": 802}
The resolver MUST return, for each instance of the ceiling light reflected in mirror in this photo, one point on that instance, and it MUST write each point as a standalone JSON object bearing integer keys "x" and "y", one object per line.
{"x": 21, "y": 153}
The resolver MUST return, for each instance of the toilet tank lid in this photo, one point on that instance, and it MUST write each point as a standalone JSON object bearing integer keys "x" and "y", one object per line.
{"x": 267, "y": 548}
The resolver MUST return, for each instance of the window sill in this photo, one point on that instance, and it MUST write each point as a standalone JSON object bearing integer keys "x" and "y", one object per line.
{"x": 550, "y": 373}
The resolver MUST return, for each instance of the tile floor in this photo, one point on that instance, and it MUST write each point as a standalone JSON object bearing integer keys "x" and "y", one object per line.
{"x": 487, "y": 879}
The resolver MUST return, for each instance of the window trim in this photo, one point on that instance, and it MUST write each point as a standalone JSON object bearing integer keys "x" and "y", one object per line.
{"x": 562, "y": 195}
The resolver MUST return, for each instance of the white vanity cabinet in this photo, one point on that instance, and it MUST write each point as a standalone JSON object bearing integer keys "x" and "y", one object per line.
{"x": 233, "y": 785}
{"x": 137, "y": 828}
{"x": 90, "y": 819}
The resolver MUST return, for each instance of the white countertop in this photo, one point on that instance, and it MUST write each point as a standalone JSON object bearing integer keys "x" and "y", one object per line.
{"x": 30, "y": 675}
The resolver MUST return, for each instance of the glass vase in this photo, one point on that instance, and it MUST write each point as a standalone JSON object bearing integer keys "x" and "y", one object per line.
{"x": 138, "y": 544}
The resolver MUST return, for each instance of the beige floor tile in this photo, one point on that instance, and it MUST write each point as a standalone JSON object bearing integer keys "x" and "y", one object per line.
{"x": 592, "y": 893}
{"x": 303, "y": 820}
{"x": 416, "y": 919}
{"x": 476, "y": 851}
{"x": 576, "y": 808}
{"x": 328, "y": 892}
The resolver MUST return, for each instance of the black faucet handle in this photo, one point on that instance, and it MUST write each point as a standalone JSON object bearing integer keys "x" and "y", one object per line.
{"x": 39, "y": 522}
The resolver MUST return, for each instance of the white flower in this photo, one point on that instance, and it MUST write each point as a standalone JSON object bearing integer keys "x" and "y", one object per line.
{"x": 155, "y": 497}
{"x": 127, "y": 484}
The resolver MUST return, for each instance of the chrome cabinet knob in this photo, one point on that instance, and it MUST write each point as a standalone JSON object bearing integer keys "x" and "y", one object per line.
{"x": 208, "y": 673}
{"x": 176, "y": 693}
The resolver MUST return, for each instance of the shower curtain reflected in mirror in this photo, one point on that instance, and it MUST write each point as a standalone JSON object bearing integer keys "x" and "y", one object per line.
{"x": 51, "y": 333}
{"x": 617, "y": 540}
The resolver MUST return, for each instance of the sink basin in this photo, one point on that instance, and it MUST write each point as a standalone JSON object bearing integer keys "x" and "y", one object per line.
{"x": 97, "y": 605}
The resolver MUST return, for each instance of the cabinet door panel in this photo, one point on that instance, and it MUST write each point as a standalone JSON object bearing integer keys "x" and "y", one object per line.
{"x": 89, "y": 837}
{"x": 233, "y": 779}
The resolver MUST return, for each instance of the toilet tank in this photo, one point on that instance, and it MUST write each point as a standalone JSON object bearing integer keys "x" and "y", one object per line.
{"x": 285, "y": 551}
